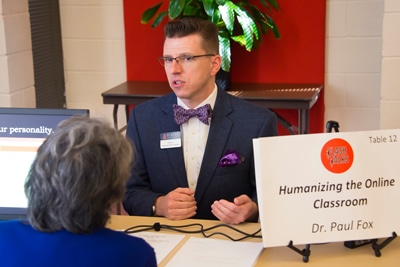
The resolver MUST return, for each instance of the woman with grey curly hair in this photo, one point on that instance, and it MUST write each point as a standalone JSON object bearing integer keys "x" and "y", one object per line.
{"x": 79, "y": 172}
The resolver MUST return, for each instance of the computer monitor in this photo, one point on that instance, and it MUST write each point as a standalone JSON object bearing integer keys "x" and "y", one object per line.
{"x": 22, "y": 131}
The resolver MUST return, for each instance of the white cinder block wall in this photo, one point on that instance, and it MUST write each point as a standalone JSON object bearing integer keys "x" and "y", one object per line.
{"x": 362, "y": 81}
{"x": 353, "y": 63}
{"x": 94, "y": 52}
{"x": 390, "y": 83}
{"x": 16, "y": 63}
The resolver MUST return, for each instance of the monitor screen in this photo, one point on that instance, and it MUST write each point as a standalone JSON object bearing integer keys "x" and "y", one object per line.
{"x": 22, "y": 131}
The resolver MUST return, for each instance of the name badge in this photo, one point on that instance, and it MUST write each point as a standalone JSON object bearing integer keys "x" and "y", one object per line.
{"x": 170, "y": 140}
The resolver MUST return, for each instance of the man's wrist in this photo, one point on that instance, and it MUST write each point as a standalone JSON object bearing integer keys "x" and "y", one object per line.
{"x": 255, "y": 213}
{"x": 154, "y": 208}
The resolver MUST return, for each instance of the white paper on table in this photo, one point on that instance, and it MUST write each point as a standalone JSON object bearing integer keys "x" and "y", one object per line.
{"x": 200, "y": 252}
{"x": 163, "y": 244}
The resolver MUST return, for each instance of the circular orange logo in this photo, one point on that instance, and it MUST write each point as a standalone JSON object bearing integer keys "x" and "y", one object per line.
{"x": 337, "y": 155}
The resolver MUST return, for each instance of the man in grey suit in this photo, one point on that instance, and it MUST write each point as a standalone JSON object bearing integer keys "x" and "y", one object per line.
{"x": 194, "y": 151}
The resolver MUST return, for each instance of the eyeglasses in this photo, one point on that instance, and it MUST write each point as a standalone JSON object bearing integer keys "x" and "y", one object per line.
{"x": 184, "y": 60}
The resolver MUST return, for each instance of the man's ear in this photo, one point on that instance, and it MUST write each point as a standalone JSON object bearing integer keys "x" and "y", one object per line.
{"x": 215, "y": 64}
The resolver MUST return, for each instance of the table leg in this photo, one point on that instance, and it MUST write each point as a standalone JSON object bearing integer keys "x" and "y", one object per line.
{"x": 127, "y": 113}
{"x": 115, "y": 117}
{"x": 303, "y": 121}
{"x": 288, "y": 126}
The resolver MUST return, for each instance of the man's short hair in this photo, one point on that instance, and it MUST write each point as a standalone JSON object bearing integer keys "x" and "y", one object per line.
{"x": 191, "y": 25}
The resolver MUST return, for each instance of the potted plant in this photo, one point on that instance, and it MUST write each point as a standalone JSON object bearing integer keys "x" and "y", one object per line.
{"x": 239, "y": 21}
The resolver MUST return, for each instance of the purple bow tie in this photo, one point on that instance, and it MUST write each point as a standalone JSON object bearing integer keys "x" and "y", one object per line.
{"x": 183, "y": 115}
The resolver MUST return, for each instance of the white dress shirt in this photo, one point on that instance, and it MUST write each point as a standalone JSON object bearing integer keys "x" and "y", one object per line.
{"x": 194, "y": 135}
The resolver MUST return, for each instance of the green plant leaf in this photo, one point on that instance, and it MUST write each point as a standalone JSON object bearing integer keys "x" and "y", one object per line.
{"x": 190, "y": 11}
{"x": 258, "y": 17}
{"x": 175, "y": 8}
{"x": 194, "y": 8}
{"x": 274, "y": 28}
{"x": 225, "y": 52}
{"x": 261, "y": 19}
{"x": 150, "y": 12}
{"x": 216, "y": 18}
{"x": 237, "y": 20}
{"x": 240, "y": 39}
{"x": 269, "y": 3}
{"x": 158, "y": 19}
{"x": 227, "y": 15}
{"x": 250, "y": 30}
{"x": 208, "y": 7}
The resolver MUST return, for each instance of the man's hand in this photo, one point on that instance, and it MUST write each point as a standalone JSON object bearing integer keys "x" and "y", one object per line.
{"x": 241, "y": 209}
{"x": 178, "y": 204}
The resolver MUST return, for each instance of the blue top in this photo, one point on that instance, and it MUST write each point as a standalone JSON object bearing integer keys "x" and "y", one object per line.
{"x": 21, "y": 245}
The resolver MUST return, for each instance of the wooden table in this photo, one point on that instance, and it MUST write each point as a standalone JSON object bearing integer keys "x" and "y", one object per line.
{"x": 323, "y": 255}
{"x": 273, "y": 96}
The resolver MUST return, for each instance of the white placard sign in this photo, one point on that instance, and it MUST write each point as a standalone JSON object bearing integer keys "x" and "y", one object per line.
{"x": 328, "y": 187}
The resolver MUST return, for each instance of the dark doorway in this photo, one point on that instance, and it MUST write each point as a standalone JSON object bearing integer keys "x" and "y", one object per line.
{"x": 47, "y": 53}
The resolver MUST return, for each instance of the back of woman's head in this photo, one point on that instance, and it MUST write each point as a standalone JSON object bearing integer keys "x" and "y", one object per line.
{"x": 79, "y": 172}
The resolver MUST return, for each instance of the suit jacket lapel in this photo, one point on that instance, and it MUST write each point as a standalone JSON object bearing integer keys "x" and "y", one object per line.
{"x": 167, "y": 124}
{"x": 217, "y": 138}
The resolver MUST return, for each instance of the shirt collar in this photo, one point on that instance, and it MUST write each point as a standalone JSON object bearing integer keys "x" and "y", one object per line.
{"x": 209, "y": 100}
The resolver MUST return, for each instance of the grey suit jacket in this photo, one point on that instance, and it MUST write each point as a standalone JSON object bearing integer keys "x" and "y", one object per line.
{"x": 156, "y": 171}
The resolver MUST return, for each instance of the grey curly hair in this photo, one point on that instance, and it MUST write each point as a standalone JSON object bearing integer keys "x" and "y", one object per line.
{"x": 79, "y": 172}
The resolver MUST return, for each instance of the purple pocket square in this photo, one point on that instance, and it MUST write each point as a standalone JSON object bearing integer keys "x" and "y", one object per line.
{"x": 231, "y": 158}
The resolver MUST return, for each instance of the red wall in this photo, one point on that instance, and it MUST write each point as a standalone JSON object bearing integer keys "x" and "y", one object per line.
{"x": 298, "y": 57}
